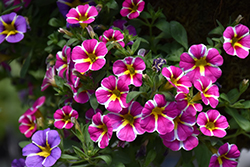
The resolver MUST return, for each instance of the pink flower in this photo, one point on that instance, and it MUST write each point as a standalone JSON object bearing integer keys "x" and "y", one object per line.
{"x": 49, "y": 78}
{"x": 200, "y": 61}
{"x": 126, "y": 124}
{"x": 132, "y": 8}
{"x": 176, "y": 78}
{"x": 63, "y": 61}
{"x": 89, "y": 114}
{"x": 130, "y": 70}
{"x": 158, "y": 115}
{"x": 212, "y": 123}
{"x": 28, "y": 125}
{"x": 225, "y": 157}
{"x": 37, "y": 104}
{"x": 82, "y": 96}
{"x": 63, "y": 117}
{"x": 112, "y": 94}
{"x": 237, "y": 41}
{"x": 100, "y": 130}
{"x": 112, "y": 36}
{"x": 209, "y": 92}
{"x": 89, "y": 56}
{"x": 82, "y": 14}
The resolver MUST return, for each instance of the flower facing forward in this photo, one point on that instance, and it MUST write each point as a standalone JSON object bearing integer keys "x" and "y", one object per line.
{"x": 12, "y": 28}
{"x": 112, "y": 94}
{"x": 62, "y": 61}
{"x": 27, "y": 125}
{"x": 132, "y": 8}
{"x": 100, "y": 130}
{"x": 63, "y": 117}
{"x": 44, "y": 150}
{"x": 237, "y": 41}
{"x": 130, "y": 70}
{"x": 212, "y": 123}
{"x": 225, "y": 157}
{"x": 200, "y": 61}
{"x": 112, "y": 36}
{"x": 89, "y": 56}
{"x": 126, "y": 124}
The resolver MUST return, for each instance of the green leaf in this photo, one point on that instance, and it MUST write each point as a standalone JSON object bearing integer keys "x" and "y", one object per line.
{"x": 246, "y": 104}
{"x": 168, "y": 95}
{"x": 106, "y": 158}
{"x": 224, "y": 97}
{"x": 179, "y": 33}
{"x": 135, "y": 45}
{"x": 112, "y": 4}
{"x": 93, "y": 101}
{"x": 59, "y": 81}
{"x": 233, "y": 95}
{"x": 202, "y": 154}
{"x": 22, "y": 144}
{"x": 54, "y": 22}
{"x": 71, "y": 41}
{"x": 26, "y": 64}
{"x": 11, "y": 8}
{"x": 164, "y": 26}
{"x": 131, "y": 95}
{"x": 68, "y": 157}
{"x": 150, "y": 157}
{"x": 186, "y": 156}
{"x": 79, "y": 152}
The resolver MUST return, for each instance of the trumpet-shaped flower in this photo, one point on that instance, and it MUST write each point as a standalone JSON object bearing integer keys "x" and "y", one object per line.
{"x": 130, "y": 70}
{"x": 176, "y": 78}
{"x": 12, "y": 28}
{"x": 112, "y": 94}
{"x": 49, "y": 78}
{"x": 63, "y": 60}
{"x": 89, "y": 114}
{"x": 209, "y": 92}
{"x": 212, "y": 123}
{"x": 112, "y": 36}
{"x": 200, "y": 61}
{"x": 237, "y": 41}
{"x": 126, "y": 124}
{"x": 100, "y": 130}
{"x": 27, "y": 125}
{"x": 132, "y": 8}
{"x": 63, "y": 117}
{"x": 44, "y": 150}
{"x": 226, "y": 156}
{"x": 158, "y": 115}
{"x": 89, "y": 56}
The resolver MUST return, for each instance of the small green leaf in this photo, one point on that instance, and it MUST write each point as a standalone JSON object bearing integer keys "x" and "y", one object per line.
{"x": 131, "y": 95}
{"x": 164, "y": 26}
{"x": 22, "y": 144}
{"x": 150, "y": 157}
{"x": 224, "y": 97}
{"x": 68, "y": 157}
{"x": 93, "y": 101}
{"x": 26, "y": 64}
{"x": 11, "y": 8}
{"x": 54, "y": 22}
{"x": 59, "y": 81}
{"x": 79, "y": 152}
{"x": 179, "y": 33}
{"x": 135, "y": 45}
{"x": 233, "y": 95}
{"x": 106, "y": 158}
{"x": 202, "y": 154}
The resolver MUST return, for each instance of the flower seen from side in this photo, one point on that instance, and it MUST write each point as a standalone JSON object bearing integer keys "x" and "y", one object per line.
{"x": 130, "y": 70}
{"x": 132, "y": 8}
{"x": 89, "y": 114}
{"x": 44, "y": 150}
{"x": 36, "y": 105}
{"x": 49, "y": 79}
{"x": 81, "y": 96}
{"x": 112, "y": 36}
{"x": 237, "y": 41}
{"x": 100, "y": 130}
{"x": 62, "y": 61}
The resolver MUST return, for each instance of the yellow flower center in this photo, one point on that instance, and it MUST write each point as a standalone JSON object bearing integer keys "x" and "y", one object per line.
{"x": 176, "y": 122}
{"x": 210, "y": 126}
{"x": 83, "y": 18}
{"x": 67, "y": 118}
{"x": 134, "y": 8}
{"x": 129, "y": 119}
{"x": 117, "y": 93}
{"x": 131, "y": 69}
{"x": 234, "y": 41}
{"x": 9, "y": 29}
{"x": 45, "y": 151}
{"x": 201, "y": 62}
{"x": 92, "y": 57}
{"x": 157, "y": 110}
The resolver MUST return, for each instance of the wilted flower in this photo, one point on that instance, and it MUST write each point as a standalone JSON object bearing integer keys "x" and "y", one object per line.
{"x": 63, "y": 59}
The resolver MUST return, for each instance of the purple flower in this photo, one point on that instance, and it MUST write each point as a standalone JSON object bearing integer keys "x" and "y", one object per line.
{"x": 44, "y": 150}
{"x": 18, "y": 163}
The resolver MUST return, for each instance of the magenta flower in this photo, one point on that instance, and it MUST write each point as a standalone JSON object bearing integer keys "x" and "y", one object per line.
{"x": 176, "y": 78}
{"x": 212, "y": 123}
{"x": 200, "y": 61}
{"x": 82, "y": 14}
{"x": 44, "y": 150}
{"x": 209, "y": 92}
{"x": 130, "y": 70}
{"x": 49, "y": 78}
{"x": 112, "y": 94}
{"x": 158, "y": 115}
{"x": 16, "y": 2}
{"x": 100, "y": 130}
{"x": 83, "y": 96}
{"x": 37, "y": 104}
{"x": 89, "y": 114}
{"x": 27, "y": 125}
{"x": 112, "y": 36}
{"x": 63, "y": 117}
{"x": 62, "y": 61}
{"x": 226, "y": 156}
{"x": 12, "y": 28}
{"x": 89, "y": 56}
{"x": 132, "y": 8}
{"x": 126, "y": 124}
{"x": 237, "y": 41}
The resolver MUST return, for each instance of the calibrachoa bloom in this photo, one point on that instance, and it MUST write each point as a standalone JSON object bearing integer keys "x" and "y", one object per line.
{"x": 209, "y": 92}
{"x": 176, "y": 78}
{"x": 100, "y": 130}
{"x": 82, "y": 14}
{"x": 44, "y": 150}
{"x": 126, "y": 124}
{"x": 62, "y": 61}
{"x": 83, "y": 96}
{"x": 63, "y": 117}
{"x": 49, "y": 78}
{"x": 158, "y": 115}
{"x": 112, "y": 36}
{"x": 89, "y": 56}
{"x": 37, "y": 104}
{"x": 200, "y": 61}
{"x": 12, "y": 27}
{"x": 132, "y": 8}
{"x": 112, "y": 94}
{"x": 226, "y": 156}
{"x": 27, "y": 125}
{"x": 89, "y": 114}
{"x": 237, "y": 41}
{"x": 212, "y": 123}
{"x": 18, "y": 163}
{"x": 130, "y": 70}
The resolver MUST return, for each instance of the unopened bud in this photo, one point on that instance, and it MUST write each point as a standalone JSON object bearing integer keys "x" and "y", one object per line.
{"x": 90, "y": 31}
{"x": 64, "y": 31}
{"x": 99, "y": 7}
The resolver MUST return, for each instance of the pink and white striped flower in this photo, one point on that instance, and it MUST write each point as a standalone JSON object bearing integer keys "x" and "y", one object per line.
{"x": 209, "y": 92}
{"x": 212, "y": 123}
{"x": 100, "y": 130}
{"x": 49, "y": 79}
{"x": 89, "y": 114}
{"x": 62, "y": 61}
{"x": 63, "y": 117}
{"x": 83, "y": 96}
{"x": 89, "y": 56}
{"x": 130, "y": 70}
{"x": 200, "y": 61}
{"x": 237, "y": 41}
{"x": 28, "y": 125}
{"x": 158, "y": 115}
{"x": 176, "y": 78}
{"x": 112, "y": 36}
{"x": 36, "y": 105}
{"x": 126, "y": 124}
{"x": 112, "y": 94}
{"x": 132, "y": 8}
